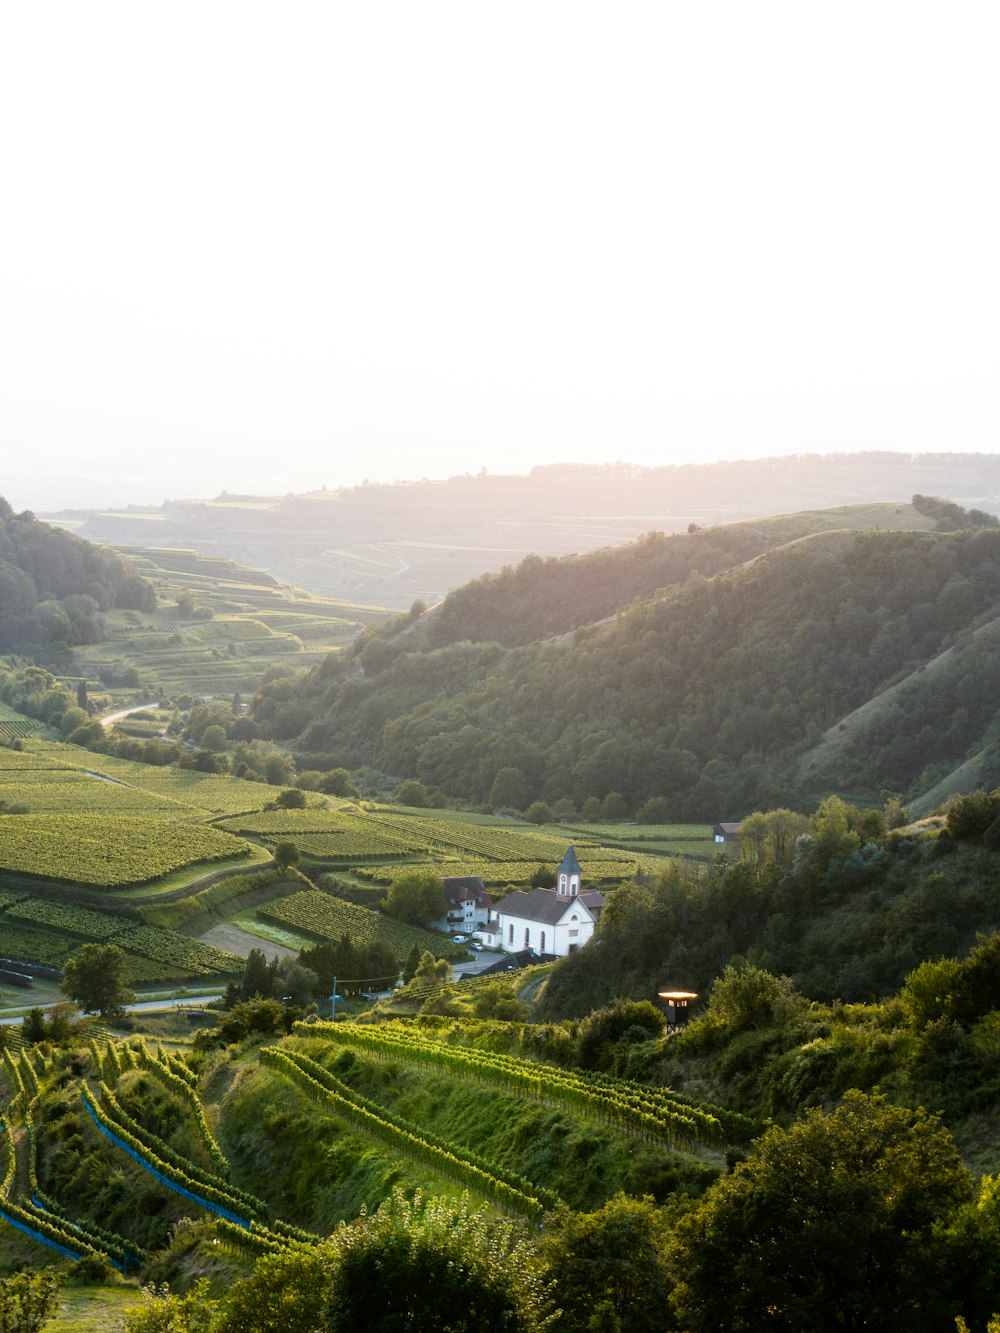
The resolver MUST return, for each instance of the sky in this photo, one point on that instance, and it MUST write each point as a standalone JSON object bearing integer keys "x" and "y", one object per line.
{"x": 269, "y": 248}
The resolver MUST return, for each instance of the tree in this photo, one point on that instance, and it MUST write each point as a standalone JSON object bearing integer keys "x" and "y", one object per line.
{"x": 285, "y": 854}
{"x": 96, "y": 980}
{"x": 613, "y": 806}
{"x": 214, "y": 738}
{"x": 543, "y": 878}
{"x": 538, "y": 812}
{"x": 416, "y": 897}
{"x": 834, "y": 1224}
{"x": 509, "y": 790}
{"x": 279, "y": 770}
{"x": 337, "y": 782}
{"x": 292, "y": 798}
{"x": 429, "y": 1266}
{"x": 163, "y": 1312}
{"x": 412, "y": 792}
{"x": 26, "y": 1301}
{"x": 33, "y": 1026}
{"x": 614, "y": 1257}
{"x": 412, "y": 961}
{"x": 258, "y": 976}
{"x": 655, "y": 810}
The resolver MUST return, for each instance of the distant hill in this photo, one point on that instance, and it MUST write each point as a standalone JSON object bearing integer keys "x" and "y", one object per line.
{"x": 724, "y": 670}
{"x": 393, "y": 544}
{"x": 54, "y": 588}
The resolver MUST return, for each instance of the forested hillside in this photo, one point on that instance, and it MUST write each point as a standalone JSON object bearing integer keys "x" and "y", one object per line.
{"x": 53, "y": 587}
{"x": 701, "y": 668}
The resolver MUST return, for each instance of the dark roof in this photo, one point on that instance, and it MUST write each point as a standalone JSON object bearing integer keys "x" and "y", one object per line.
{"x": 452, "y": 883}
{"x": 593, "y": 898}
{"x": 460, "y": 888}
{"x": 728, "y": 829}
{"x": 510, "y": 962}
{"x": 541, "y": 905}
{"x": 569, "y": 865}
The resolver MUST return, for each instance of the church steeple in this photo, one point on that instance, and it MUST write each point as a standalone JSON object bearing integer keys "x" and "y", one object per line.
{"x": 568, "y": 875}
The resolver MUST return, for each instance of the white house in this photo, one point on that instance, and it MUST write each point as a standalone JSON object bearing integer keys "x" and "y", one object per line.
{"x": 467, "y": 905}
{"x": 551, "y": 921}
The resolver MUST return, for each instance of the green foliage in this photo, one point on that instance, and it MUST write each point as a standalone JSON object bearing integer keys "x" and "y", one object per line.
{"x": 412, "y": 793}
{"x": 26, "y": 1301}
{"x": 285, "y": 854}
{"x": 539, "y": 812}
{"x": 960, "y": 991}
{"x": 164, "y": 1312}
{"x": 970, "y": 816}
{"x": 96, "y": 979}
{"x": 599, "y": 1034}
{"x": 426, "y": 1266}
{"x": 614, "y": 1257}
{"x": 833, "y": 1224}
{"x": 415, "y": 898}
{"x": 286, "y": 1293}
{"x": 747, "y": 997}
{"x": 699, "y": 692}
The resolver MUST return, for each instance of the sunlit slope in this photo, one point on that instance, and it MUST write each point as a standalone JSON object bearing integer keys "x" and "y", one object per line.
{"x": 709, "y": 689}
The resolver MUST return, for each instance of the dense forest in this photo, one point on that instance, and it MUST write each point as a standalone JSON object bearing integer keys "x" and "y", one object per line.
{"x": 54, "y": 586}
{"x": 702, "y": 668}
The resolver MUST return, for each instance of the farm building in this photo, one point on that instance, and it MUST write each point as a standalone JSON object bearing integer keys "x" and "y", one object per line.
{"x": 727, "y": 835}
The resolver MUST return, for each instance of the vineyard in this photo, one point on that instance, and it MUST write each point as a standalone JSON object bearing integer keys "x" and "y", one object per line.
{"x": 111, "y": 851}
{"x": 634, "y": 1108}
{"x": 36, "y": 930}
{"x": 323, "y": 917}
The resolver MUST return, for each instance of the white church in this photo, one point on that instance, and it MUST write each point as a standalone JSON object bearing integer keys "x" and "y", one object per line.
{"x": 554, "y": 922}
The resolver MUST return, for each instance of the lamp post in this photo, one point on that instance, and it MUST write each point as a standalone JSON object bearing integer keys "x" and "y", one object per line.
{"x": 677, "y": 1002}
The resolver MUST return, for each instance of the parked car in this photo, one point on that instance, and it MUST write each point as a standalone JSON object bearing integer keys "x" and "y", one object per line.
{"x": 458, "y": 939}
{"x": 477, "y": 946}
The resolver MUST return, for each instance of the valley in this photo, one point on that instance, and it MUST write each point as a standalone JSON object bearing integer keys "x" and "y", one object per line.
{"x": 770, "y": 747}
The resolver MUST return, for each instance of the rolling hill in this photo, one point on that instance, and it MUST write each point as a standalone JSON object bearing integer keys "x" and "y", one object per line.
{"x": 393, "y": 544}
{"x": 724, "y": 670}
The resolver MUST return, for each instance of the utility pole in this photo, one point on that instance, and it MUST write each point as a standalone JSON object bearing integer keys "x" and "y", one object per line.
{"x": 333, "y": 1001}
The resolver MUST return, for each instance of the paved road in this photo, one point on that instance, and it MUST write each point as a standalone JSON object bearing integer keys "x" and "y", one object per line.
{"x": 140, "y": 1006}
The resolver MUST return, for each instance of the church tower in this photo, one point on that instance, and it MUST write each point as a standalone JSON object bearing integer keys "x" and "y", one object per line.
{"x": 568, "y": 875}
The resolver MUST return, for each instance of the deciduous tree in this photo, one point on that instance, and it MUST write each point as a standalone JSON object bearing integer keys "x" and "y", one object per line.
{"x": 96, "y": 979}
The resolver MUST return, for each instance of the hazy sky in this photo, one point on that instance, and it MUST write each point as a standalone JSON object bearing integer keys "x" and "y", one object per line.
{"x": 272, "y": 247}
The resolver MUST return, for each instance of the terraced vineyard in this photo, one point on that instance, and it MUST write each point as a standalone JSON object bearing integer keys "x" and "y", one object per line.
{"x": 323, "y": 917}
{"x": 635, "y": 1108}
{"x": 190, "y": 794}
{"x": 15, "y": 726}
{"x": 36, "y": 930}
{"x": 334, "y": 835}
{"x": 243, "y": 621}
{"x": 109, "y": 851}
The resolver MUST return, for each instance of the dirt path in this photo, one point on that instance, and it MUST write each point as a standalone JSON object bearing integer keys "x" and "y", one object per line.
{"x": 235, "y": 940}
